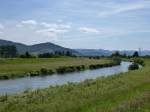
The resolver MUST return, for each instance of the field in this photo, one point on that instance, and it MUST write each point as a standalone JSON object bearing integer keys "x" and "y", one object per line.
{"x": 125, "y": 92}
{"x": 18, "y": 67}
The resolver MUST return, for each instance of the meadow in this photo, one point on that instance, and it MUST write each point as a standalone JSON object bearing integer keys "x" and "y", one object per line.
{"x": 20, "y": 67}
{"x": 124, "y": 92}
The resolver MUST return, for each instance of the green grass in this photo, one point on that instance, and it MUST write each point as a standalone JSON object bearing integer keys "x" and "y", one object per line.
{"x": 18, "y": 67}
{"x": 125, "y": 92}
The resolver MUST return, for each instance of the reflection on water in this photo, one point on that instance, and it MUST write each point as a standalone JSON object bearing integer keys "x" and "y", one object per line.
{"x": 19, "y": 85}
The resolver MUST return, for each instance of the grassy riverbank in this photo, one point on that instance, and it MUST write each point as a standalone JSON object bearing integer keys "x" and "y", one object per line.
{"x": 127, "y": 92}
{"x": 12, "y": 68}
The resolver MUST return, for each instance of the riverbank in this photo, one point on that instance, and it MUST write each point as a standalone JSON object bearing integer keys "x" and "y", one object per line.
{"x": 14, "y": 86}
{"x": 15, "y": 68}
{"x": 123, "y": 92}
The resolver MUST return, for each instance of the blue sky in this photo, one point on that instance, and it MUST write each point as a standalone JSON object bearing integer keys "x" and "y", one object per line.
{"x": 96, "y": 24}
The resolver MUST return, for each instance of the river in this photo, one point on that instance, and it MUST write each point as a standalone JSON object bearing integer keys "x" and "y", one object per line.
{"x": 21, "y": 84}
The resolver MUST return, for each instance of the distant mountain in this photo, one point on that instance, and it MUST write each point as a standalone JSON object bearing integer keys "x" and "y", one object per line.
{"x": 50, "y": 47}
{"x": 130, "y": 52}
{"x": 37, "y": 48}
{"x": 102, "y": 52}
{"x": 94, "y": 52}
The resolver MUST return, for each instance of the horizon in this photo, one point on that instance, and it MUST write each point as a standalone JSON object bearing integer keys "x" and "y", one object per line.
{"x": 85, "y": 24}
{"x": 80, "y": 48}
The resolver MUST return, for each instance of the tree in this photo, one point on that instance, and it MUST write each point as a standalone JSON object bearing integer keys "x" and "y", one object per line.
{"x": 8, "y": 51}
{"x": 116, "y": 54}
{"x": 27, "y": 55}
{"x": 68, "y": 53}
{"x": 45, "y": 55}
{"x": 135, "y": 54}
{"x": 124, "y": 55}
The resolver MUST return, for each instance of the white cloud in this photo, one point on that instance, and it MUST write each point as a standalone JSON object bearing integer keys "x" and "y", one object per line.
{"x": 47, "y": 32}
{"x": 51, "y": 32}
{"x": 28, "y": 24}
{"x": 54, "y": 25}
{"x": 1, "y": 26}
{"x": 121, "y": 8}
{"x": 48, "y": 25}
{"x": 89, "y": 30}
{"x": 45, "y": 29}
{"x": 53, "y": 29}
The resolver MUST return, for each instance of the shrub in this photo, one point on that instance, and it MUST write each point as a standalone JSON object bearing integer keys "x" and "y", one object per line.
{"x": 34, "y": 73}
{"x": 43, "y": 71}
{"x": 68, "y": 69}
{"x": 65, "y": 69}
{"x": 117, "y": 60}
{"x": 83, "y": 67}
{"x": 78, "y": 68}
{"x": 97, "y": 66}
{"x": 4, "y": 98}
{"x": 134, "y": 66}
{"x": 139, "y": 61}
{"x": 4, "y": 77}
{"x": 50, "y": 72}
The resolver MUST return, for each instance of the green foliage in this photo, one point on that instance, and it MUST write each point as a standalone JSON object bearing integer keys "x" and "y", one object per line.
{"x": 44, "y": 71}
{"x": 8, "y": 51}
{"x": 136, "y": 54}
{"x": 139, "y": 61}
{"x": 33, "y": 73}
{"x": 134, "y": 66}
{"x": 46, "y": 55}
{"x": 55, "y": 54}
{"x": 4, "y": 98}
{"x": 27, "y": 55}
{"x": 116, "y": 54}
{"x": 67, "y": 69}
{"x": 117, "y": 60}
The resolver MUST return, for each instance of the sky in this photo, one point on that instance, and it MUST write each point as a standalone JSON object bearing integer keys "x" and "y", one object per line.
{"x": 89, "y": 24}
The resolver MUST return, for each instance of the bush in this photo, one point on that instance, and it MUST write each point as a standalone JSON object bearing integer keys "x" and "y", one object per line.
{"x": 50, "y": 72}
{"x": 117, "y": 60}
{"x": 139, "y": 61}
{"x": 4, "y": 77}
{"x": 62, "y": 70}
{"x": 78, "y": 68}
{"x": 34, "y": 73}
{"x": 4, "y": 98}
{"x": 83, "y": 67}
{"x": 43, "y": 71}
{"x": 68, "y": 69}
{"x": 134, "y": 66}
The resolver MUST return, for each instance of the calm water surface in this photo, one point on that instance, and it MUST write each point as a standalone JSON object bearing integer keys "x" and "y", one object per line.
{"x": 19, "y": 85}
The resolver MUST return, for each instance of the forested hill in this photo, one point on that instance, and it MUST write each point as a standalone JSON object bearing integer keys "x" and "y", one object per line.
{"x": 37, "y": 48}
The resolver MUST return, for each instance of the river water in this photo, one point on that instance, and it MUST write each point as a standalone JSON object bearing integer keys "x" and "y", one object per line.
{"x": 21, "y": 84}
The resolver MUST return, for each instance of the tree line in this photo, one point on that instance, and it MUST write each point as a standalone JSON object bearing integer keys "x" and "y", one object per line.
{"x": 118, "y": 54}
{"x": 10, "y": 51}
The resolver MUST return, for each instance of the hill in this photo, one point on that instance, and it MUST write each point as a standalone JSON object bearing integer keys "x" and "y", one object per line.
{"x": 94, "y": 52}
{"x": 37, "y": 48}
